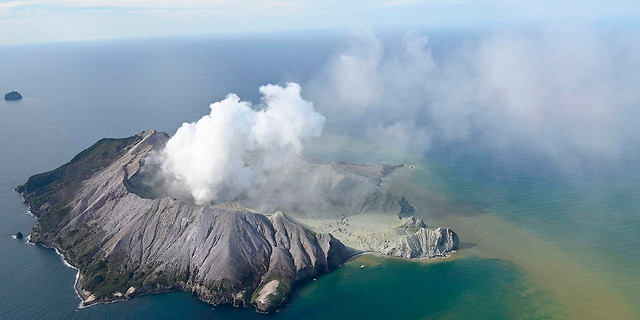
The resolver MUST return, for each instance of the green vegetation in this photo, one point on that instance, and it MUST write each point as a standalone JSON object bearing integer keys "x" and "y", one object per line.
{"x": 412, "y": 230}
{"x": 47, "y": 193}
{"x": 281, "y": 295}
{"x": 278, "y": 297}
{"x": 104, "y": 277}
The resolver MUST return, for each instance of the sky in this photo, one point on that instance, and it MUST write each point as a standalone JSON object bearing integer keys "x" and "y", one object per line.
{"x": 41, "y": 21}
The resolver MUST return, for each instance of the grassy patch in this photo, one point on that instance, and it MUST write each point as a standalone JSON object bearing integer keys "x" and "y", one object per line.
{"x": 277, "y": 298}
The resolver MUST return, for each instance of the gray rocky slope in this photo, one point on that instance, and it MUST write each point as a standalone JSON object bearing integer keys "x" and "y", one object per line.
{"x": 124, "y": 244}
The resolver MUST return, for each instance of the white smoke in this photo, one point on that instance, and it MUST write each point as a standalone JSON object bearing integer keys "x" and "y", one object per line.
{"x": 560, "y": 94}
{"x": 564, "y": 93}
{"x": 231, "y": 151}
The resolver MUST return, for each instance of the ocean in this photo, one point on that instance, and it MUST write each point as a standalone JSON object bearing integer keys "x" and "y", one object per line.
{"x": 537, "y": 241}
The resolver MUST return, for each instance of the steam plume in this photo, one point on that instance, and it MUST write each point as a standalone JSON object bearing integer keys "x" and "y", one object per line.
{"x": 234, "y": 148}
{"x": 563, "y": 93}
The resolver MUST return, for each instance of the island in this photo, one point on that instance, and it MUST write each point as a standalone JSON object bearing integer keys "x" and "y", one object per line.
{"x": 103, "y": 214}
{"x": 12, "y": 96}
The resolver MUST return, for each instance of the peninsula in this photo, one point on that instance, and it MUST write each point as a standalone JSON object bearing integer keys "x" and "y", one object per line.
{"x": 101, "y": 213}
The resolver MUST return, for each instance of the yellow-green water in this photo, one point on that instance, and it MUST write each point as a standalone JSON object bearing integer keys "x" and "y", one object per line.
{"x": 586, "y": 282}
{"x": 574, "y": 235}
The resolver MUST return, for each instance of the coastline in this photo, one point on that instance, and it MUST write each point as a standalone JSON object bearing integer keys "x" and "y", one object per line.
{"x": 77, "y": 284}
{"x": 376, "y": 233}
{"x": 452, "y": 255}
{"x": 66, "y": 263}
{"x": 62, "y": 257}
{"x": 85, "y": 299}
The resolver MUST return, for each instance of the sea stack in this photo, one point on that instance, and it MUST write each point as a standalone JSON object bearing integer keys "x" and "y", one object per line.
{"x": 12, "y": 96}
{"x": 19, "y": 235}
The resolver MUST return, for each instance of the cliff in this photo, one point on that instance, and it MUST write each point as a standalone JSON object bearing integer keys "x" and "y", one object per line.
{"x": 424, "y": 243}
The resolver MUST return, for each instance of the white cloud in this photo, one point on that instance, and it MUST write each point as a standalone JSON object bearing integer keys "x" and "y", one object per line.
{"x": 62, "y": 20}
{"x": 5, "y": 7}
{"x": 559, "y": 92}
{"x": 234, "y": 150}
{"x": 184, "y": 4}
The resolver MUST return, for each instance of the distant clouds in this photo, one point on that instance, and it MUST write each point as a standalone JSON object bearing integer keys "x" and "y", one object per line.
{"x": 8, "y": 5}
{"x": 33, "y": 21}
{"x": 158, "y": 4}
{"x": 562, "y": 93}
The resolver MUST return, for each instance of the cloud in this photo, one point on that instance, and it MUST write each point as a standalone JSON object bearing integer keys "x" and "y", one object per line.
{"x": 235, "y": 149}
{"x": 412, "y": 3}
{"x": 5, "y": 7}
{"x": 155, "y": 4}
{"x": 66, "y": 20}
{"x": 564, "y": 93}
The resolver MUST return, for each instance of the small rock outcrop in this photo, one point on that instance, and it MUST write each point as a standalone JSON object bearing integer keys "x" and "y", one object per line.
{"x": 414, "y": 223}
{"x": 19, "y": 235}
{"x": 424, "y": 243}
{"x": 12, "y": 96}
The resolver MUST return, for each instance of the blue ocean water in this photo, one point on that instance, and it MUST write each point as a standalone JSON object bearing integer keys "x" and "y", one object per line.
{"x": 75, "y": 94}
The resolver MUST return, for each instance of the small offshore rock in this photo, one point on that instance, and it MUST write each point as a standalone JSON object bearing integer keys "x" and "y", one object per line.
{"x": 12, "y": 96}
{"x": 19, "y": 235}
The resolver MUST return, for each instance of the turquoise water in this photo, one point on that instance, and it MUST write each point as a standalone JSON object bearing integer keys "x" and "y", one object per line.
{"x": 393, "y": 290}
{"x": 397, "y": 289}
{"x": 76, "y": 94}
